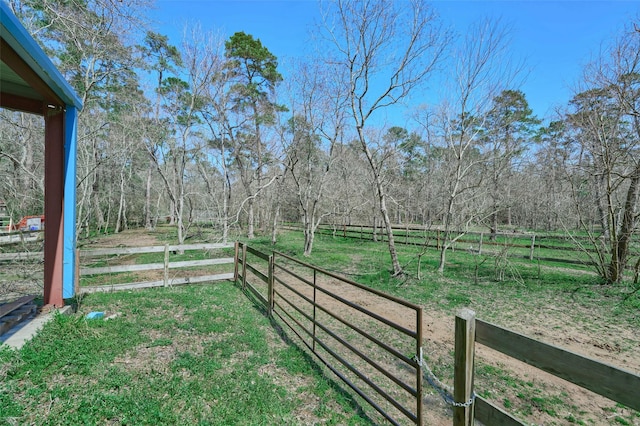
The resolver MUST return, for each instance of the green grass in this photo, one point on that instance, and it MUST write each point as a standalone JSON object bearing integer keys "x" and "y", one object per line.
{"x": 185, "y": 355}
{"x": 526, "y": 284}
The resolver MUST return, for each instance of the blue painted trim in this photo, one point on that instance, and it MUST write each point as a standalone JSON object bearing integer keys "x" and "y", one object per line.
{"x": 69, "y": 221}
{"x": 28, "y": 49}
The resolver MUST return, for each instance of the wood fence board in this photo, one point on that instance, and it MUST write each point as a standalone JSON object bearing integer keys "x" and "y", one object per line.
{"x": 121, "y": 268}
{"x": 204, "y": 262}
{"x": 21, "y": 256}
{"x": 257, "y": 253}
{"x": 258, "y": 295}
{"x": 121, "y": 251}
{"x": 259, "y": 274}
{"x": 151, "y": 249}
{"x": 490, "y": 415}
{"x": 154, "y": 266}
{"x": 608, "y": 381}
{"x": 203, "y": 246}
{"x": 150, "y": 284}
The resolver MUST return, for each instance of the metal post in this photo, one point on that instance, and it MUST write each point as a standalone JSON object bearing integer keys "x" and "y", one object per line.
{"x": 270, "y": 287}
{"x": 419, "y": 368}
{"x": 465, "y": 332}
{"x": 70, "y": 279}
{"x": 313, "y": 342}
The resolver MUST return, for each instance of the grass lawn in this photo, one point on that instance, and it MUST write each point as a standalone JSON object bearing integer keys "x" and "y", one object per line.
{"x": 187, "y": 355}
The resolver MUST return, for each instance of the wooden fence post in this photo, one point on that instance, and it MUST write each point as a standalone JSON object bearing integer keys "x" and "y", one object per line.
{"x": 465, "y": 332}
{"x": 166, "y": 265}
{"x": 235, "y": 261}
{"x": 76, "y": 278}
{"x": 533, "y": 245}
{"x": 480, "y": 244}
{"x": 244, "y": 266}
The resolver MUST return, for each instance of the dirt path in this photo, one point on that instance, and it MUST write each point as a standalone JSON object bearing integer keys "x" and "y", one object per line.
{"x": 129, "y": 238}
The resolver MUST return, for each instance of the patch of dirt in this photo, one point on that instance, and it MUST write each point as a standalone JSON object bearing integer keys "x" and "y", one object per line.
{"x": 129, "y": 238}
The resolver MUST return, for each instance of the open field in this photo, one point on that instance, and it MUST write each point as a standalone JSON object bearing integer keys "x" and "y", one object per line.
{"x": 179, "y": 346}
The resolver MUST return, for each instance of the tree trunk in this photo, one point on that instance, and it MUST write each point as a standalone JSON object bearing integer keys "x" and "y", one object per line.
{"x": 443, "y": 258}
{"x": 397, "y": 269}
{"x": 147, "y": 197}
{"x": 225, "y": 215}
{"x": 308, "y": 240}
{"x": 274, "y": 229}
{"x": 121, "y": 204}
{"x": 494, "y": 225}
{"x": 250, "y": 219}
{"x": 309, "y": 232}
{"x": 620, "y": 253}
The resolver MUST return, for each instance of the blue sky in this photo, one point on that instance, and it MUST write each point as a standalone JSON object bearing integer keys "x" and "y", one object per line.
{"x": 556, "y": 38}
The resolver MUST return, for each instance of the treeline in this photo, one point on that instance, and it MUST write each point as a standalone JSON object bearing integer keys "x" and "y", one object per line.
{"x": 218, "y": 132}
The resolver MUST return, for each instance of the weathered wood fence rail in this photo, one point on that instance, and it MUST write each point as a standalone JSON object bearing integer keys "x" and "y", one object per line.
{"x": 15, "y": 237}
{"x": 528, "y": 246}
{"x": 611, "y": 382}
{"x": 165, "y": 266}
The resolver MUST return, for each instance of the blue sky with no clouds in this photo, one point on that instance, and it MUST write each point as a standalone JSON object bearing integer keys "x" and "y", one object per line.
{"x": 556, "y": 38}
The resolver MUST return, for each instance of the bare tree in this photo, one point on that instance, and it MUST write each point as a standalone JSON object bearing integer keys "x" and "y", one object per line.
{"x": 184, "y": 101}
{"x": 481, "y": 71}
{"x": 217, "y": 114}
{"x": 606, "y": 116}
{"x": 316, "y": 126}
{"x": 387, "y": 49}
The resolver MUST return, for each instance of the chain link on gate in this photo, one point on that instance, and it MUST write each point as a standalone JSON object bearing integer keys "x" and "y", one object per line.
{"x": 446, "y": 392}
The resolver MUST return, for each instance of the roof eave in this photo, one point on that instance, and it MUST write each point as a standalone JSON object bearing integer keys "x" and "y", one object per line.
{"x": 31, "y": 53}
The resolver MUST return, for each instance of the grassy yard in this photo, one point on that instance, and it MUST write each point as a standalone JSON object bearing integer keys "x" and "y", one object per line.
{"x": 187, "y": 355}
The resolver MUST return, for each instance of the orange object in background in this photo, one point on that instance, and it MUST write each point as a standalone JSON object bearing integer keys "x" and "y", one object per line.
{"x": 29, "y": 223}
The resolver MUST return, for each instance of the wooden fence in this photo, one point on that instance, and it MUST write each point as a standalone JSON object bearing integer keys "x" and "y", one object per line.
{"x": 367, "y": 350}
{"x": 611, "y": 382}
{"x": 528, "y": 246}
{"x": 164, "y": 266}
{"x": 15, "y": 237}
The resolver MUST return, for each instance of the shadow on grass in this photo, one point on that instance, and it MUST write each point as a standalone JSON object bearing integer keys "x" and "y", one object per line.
{"x": 310, "y": 362}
